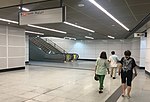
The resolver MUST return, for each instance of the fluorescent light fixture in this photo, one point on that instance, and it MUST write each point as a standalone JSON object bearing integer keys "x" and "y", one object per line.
{"x": 79, "y": 27}
{"x": 111, "y": 37}
{"x": 9, "y": 21}
{"x": 88, "y": 37}
{"x": 107, "y": 13}
{"x": 34, "y": 32}
{"x": 24, "y": 9}
{"x": 69, "y": 38}
{"x": 44, "y": 28}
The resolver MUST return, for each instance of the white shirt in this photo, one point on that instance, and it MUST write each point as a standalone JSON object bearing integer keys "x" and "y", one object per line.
{"x": 113, "y": 60}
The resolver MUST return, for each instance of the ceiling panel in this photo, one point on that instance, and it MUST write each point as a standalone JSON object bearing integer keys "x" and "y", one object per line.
{"x": 129, "y": 12}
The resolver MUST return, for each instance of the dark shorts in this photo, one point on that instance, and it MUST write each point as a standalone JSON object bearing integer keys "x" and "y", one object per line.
{"x": 126, "y": 76}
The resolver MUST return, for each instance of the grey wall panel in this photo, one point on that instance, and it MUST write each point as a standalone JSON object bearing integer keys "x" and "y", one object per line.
{"x": 16, "y": 62}
{"x": 16, "y": 31}
{"x": 16, "y": 51}
{"x": 2, "y": 39}
{"x": 3, "y": 63}
{"x": 3, "y": 51}
{"x": 3, "y": 29}
{"x": 16, "y": 41}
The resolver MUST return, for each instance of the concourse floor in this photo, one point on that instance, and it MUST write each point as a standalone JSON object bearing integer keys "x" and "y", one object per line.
{"x": 65, "y": 82}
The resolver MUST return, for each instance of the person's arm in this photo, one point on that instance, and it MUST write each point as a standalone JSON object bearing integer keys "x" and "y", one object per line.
{"x": 120, "y": 66}
{"x": 96, "y": 65}
{"x": 135, "y": 71}
{"x": 134, "y": 67}
{"x": 107, "y": 66}
{"x": 95, "y": 68}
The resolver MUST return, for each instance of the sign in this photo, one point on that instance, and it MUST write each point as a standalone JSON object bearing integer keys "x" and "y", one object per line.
{"x": 55, "y": 15}
{"x": 139, "y": 34}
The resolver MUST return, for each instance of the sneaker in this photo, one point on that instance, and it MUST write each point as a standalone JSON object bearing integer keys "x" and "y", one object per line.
{"x": 114, "y": 77}
{"x": 123, "y": 95}
{"x": 100, "y": 91}
{"x": 128, "y": 96}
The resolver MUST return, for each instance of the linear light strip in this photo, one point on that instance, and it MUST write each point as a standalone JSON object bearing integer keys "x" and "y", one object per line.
{"x": 107, "y": 13}
{"x": 88, "y": 37}
{"x": 44, "y": 28}
{"x": 111, "y": 37}
{"x": 34, "y": 32}
{"x": 9, "y": 21}
{"x": 24, "y": 9}
{"x": 77, "y": 26}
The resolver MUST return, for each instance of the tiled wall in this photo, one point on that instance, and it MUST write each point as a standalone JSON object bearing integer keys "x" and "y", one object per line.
{"x": 147, "y": 57}
{"x": 90, "y": 49}
{"x": 12, "y": 47}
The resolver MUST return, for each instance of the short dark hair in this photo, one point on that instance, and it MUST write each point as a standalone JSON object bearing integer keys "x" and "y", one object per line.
{"x": 103, "y": 55}
{"x": 127, "y": 53}
{"x": 112, "y": 52}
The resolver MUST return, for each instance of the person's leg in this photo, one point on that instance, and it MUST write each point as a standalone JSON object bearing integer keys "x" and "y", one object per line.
{"x": 114, "y": 72}
{"x": 129, "y": 80}
{"x": 123, "y": 80}
{"x": 111, "y": 74}
{"x": 128, "y": 91}
{"x": 101, "y": 83}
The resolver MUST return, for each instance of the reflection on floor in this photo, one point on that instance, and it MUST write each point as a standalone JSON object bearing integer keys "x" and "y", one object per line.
{"x": 54, "y": 83}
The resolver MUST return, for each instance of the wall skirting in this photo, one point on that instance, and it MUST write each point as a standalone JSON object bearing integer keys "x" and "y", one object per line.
{"x": 142, "y": 67}
{"x": 148, "y": 73}
{"x": 11, "y": 69}
{"x": 88, "y": 59}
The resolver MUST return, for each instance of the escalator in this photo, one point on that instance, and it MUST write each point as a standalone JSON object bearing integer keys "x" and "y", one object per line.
{"x": 45, "y": 50}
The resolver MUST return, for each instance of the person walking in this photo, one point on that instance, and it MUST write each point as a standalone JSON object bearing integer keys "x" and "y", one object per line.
{"x": 113, "y": 60}
{"x": 126, "y": 70}
{"x": 101, "y": 68}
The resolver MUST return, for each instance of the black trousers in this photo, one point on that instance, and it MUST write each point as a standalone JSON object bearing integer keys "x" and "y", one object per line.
{"x": 126, "y": 76}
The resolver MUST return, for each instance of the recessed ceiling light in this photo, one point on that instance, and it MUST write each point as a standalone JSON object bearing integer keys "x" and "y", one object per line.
{"x": 81, "y": 5}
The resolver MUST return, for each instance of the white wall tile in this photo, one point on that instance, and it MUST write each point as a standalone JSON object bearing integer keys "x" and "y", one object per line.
{"x": 16, "y": 62}
{"x": 2, "y": 39}
{"x": 16, "y": 41}
{"x": 3, "y": 51}
{"x": 90, "y": 49}
{"x": 3, "y": 63}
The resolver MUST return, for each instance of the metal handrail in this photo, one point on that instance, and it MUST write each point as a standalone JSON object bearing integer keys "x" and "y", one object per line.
{"x": 54, "y": 45}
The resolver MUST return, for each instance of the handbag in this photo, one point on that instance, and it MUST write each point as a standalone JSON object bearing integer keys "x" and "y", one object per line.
{"x": 96, "y": 77}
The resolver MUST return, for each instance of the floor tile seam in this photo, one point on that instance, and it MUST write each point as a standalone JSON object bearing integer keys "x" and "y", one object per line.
{"x": 79, "y": 68}
{"x": 43, "y": 93}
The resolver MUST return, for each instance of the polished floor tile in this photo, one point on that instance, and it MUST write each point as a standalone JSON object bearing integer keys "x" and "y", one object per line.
{"x": 75, "y": 83}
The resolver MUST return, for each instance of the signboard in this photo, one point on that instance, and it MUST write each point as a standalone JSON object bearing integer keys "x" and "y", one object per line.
{"x": 55, "y": 15}
{"x": 139, "y": 34}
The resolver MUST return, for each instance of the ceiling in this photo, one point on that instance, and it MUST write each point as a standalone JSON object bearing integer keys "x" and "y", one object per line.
{"x": 129, "y": 12}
